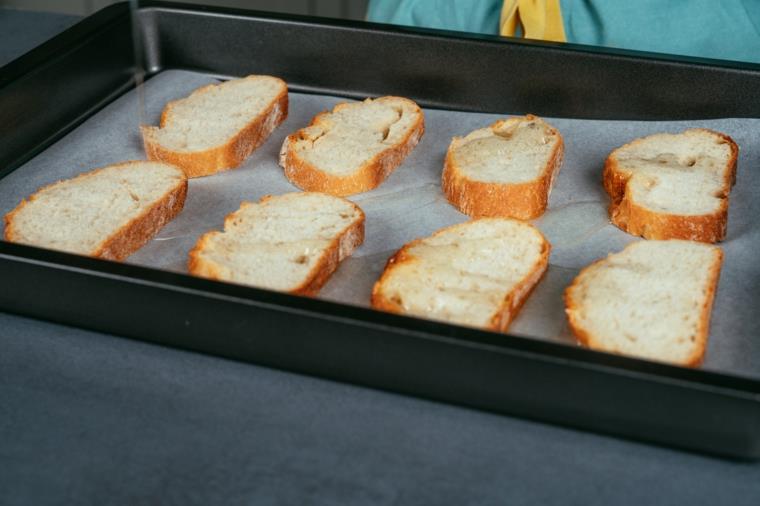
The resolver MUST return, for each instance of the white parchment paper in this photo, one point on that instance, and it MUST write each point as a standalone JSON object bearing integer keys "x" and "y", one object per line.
{"x": 410, "y": 205}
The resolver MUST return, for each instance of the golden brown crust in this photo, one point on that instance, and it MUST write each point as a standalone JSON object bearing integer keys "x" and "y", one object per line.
{"x": 226, "y": 156}
{"x": 141, "y": 229}
{"x": 9, "y": 233}
{"x": 377, "y": 298}
{"x": 514, "y": 301}
{"x": 588, "y": 340}
{"x": 196, "y": 265}
{"x": 571, "y": 309}
{"x": 509, "y": 307}
{"x": 706, "y": 311}
{"x": 524, "y": 201}
{"x": 310, "y": 178}
{"x": 132, "y": 236}
{"x": 626, "y": 214}
{"x": 340, "y": 247}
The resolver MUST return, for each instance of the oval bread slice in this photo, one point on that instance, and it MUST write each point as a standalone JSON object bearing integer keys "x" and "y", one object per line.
{"x": 218, "y": 126}
{"x": 108, "y": 213}
{"x": 672, "y": 186}
{"x": 291, "y": 243}
{"x": 353, "y": 148}
{"x": 507, "y": 169}
{"x": 652, "y": 300}
{"x": 477, "y": 273}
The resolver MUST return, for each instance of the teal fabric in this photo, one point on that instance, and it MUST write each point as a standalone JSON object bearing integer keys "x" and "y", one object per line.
{"x": 724, "y": 29}
{"x": 477, "y": 16}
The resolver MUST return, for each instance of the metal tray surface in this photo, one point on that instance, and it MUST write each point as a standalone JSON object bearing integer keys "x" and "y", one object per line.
{"x": 48, "y": 92}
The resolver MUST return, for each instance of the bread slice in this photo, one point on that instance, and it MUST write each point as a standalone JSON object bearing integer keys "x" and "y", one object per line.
{"x": 291, "y": 243}
{"x": 477, "y": 273}
{"x": 504, "y": 170}
{"x": 672, "y": 186}
{"x": 652, "y": 300}
{"x": 353, "y": 148}
{"x": 108, "y": 213}
{"x": 219, "y": 125}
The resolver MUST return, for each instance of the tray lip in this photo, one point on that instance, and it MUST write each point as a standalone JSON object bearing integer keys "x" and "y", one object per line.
{"x": 437, "y": 33}
{"x": 71, "y": 38}
{"x": 741, "y": 387}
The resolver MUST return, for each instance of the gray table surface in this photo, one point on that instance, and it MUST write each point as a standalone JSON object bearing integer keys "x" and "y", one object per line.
{"x": 88, "y": 418}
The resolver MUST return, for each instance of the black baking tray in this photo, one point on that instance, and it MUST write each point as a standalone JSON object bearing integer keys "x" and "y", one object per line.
{"x": 47, "y": 92}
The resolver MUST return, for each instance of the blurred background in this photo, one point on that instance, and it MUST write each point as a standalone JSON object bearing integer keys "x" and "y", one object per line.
{"x": 351, "y": 9}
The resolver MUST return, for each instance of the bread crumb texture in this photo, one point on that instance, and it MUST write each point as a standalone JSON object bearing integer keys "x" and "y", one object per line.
{"x": 672, "y": 185}
{"x": 217, "y": 126}
{"x": 291, "y": 242}
{"x": 507, "y": 169}
{"x": 515, "y": 150}
{"x": 652, "y": 300}
{"x": 354, "y": 147}
{"x": 84, "y": 214}
{"x": 477, "y": 273}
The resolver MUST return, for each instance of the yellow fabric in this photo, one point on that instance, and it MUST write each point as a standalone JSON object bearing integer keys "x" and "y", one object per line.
{"x": 539, "y": 19}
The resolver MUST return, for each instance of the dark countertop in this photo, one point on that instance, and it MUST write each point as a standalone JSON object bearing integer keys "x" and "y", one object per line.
{"x": 88, "y": 418}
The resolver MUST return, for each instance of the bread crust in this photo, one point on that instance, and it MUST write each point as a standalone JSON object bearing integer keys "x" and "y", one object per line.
{"x": 507, "y": 310}
{"x": 132, "y": 236}
{"x": 369, "y": 176}
{"x": 225, "y": 156}
{"x": 635, "y": 219}
{"x": 585, "y": 338}
{"x": 524, "y": 201}
{"x": 341, "y": 247}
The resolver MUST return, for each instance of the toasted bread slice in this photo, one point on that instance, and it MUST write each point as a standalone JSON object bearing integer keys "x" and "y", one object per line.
{"x": 673, "y": 186}
{"x": 652, "y": 300}
{"x": 504, "y": 170}
{"x": 108, "y": 213}
{"x": 218, "y": 126}
{"x": 291, "y": 243}
{"x": 476, "y": 274}
{"x": 353, "y": 148}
